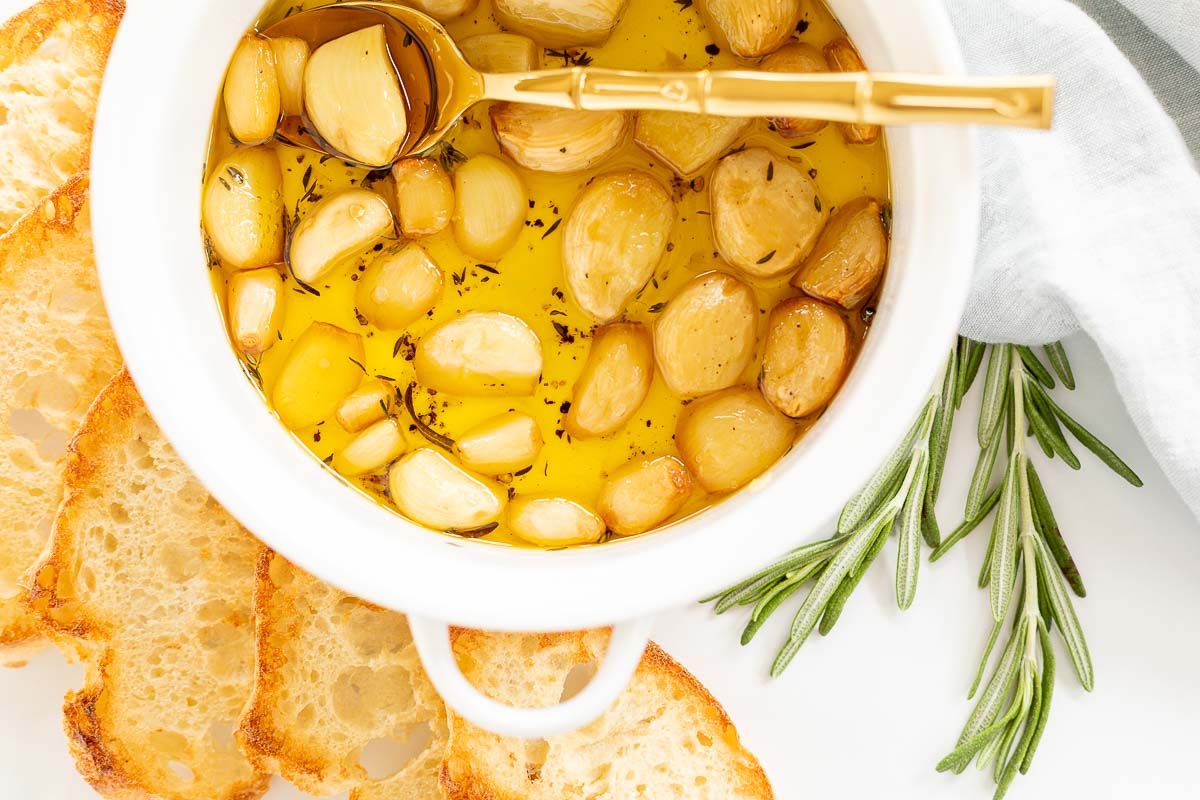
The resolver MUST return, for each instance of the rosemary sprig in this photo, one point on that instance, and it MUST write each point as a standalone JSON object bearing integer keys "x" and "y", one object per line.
{"x": 900, "y": 496}
{"x": 1027, "y": 567}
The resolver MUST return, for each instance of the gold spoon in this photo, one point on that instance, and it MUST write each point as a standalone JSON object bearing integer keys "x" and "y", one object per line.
{"x": 439, "y": 85}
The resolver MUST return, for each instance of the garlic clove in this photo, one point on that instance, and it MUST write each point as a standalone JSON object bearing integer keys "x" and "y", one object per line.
{"x": 730, "y": 438}
{"x": 766, "y": 212}
{"x": 796, "y": 57}
{"x": 751, "y": 28}
{"x": 847, "y": 262}
{"x": 321, "y": 369}
{"x": 367, "y": 404}
{"x": 373, "y": 449}
{"x": 806, "y": 356}
{"x": 554, "y": 522}
{"x": 489, "y": 207}
{"x": 338, "y": 227}
{"x": 507, "y": 443}
{"x": 444, "y": 10}
{"x": 353, "y": 98}
{"x": 557, "y": 139}
{"x": 291, "y": 57}
{"x": 614, "y": 239}
{"x": 561, "y": 23}
{"x": 243, "y": 209}
{"x": 687, "y": 143}
{"x": 644, "y": 493}
{"x": 614, "y": 382}
{"x": 251, "y": 93}
{"x": 424, "y": 197}
{"x": 481, "y": 353}
{"x": 432, "y": 490}
{"x": 256, "y": 304}
{"x": 843, "y": 57}
{"x": 501, "y": 52}
{"x": 398, "y": 287}
{"x": 704, "y": 339}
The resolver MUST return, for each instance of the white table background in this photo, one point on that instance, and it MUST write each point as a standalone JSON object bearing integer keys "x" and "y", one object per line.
{"x": 868, "y": 711}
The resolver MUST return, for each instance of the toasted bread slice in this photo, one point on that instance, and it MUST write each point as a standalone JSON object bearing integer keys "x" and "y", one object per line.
{"x": 58, "y": 353}
{"x": 52, "y": 57}
{"x": 150, "y": 582}
{"x": 337, "y": 678}
{"x": 665, "y": 737}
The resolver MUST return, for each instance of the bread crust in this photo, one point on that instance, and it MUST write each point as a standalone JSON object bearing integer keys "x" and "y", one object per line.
{"x": 23, "y": 251}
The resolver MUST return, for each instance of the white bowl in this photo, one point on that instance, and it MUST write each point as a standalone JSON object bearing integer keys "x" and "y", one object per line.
{"x": 150, "y": 145}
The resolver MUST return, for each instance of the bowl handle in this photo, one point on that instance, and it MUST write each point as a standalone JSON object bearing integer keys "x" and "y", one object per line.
{"x": 625, "y": 648}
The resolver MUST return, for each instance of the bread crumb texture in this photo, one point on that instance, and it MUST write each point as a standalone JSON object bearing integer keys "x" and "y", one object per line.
{"x": 58, "y": 353}
{"x": 52, "y": 58}
{"x": 150, "y": 582}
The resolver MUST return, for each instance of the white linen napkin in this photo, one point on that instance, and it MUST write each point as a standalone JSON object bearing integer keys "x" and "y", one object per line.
{"x": 1096, "y": 225}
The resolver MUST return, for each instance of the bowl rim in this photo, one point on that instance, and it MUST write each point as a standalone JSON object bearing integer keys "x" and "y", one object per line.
{"x": 149, "y": 256}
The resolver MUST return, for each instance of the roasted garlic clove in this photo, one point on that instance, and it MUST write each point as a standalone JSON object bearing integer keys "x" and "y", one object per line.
{"x": 353, "y": 99}
{"x": 806, "y": 356}
{"x": 687, "y": 143}
{"x": 561, "y": 23}
{"x": 730, "y": 438}
{"x": 480, "y": 353}
{"x": 501, "y": 52}
{"x": 432, "y": 490}
{"x": 766, "y": 213}
{"x": 613, "y": 240}
{"x": 796, "y": 57}
{"x": 291, "y": 57}
{"x": 644, "y": 493}
{"x": 843, "y": 57}
{"x": 398, "y": 287}
{"x": 848, "y": 260}
{"x": 321, "y": 369}
{"x": 243, "y": 209}
{"x": 365, "y": 405}
{"x": 444, "y": 10}
{"x": 251, "y": 94}
{"x": 507, "y": 443}
{"x": 614, "y": 382}
{"x": 373, "y": 449}
{"x": 256, "y": 303}
{"x": 424, "y": 197}
{"x": 557, "y": 139}
{"x": 489, "y": 207}
{"x": 554, "y": 522}
{"x": 751, "y": 28}
{"x": 338, "y": 227}
{"x": 704, "y": 339}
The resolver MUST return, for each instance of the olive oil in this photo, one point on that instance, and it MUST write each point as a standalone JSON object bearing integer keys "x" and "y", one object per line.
{"x": 528, "y": 281}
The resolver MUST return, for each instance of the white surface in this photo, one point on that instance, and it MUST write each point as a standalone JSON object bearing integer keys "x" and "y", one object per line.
{"x": 867, "y": 712}
{"x": 159, "y": 300}
{"x": 1078, "y": 237}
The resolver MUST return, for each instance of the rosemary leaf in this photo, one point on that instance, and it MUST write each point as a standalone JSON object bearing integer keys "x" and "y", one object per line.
{"x": 908, "y": 557}
{"x": 1035, "y": 366}
{"x": 981, "y": 477}
{"x": 995, "y": 383}
{"x": 929, "y": 524}
{"x": 943, "y": 424}
{"x": 985, "y": 569}
{"x": 861, "y": 505}
{"x": 1017, "y": 758}
{"x": 1043, "y": 517}
{"x": 754, "y": 585}
{"x": 1099, "y": 448}
{"x": 972, "y": 357}
{"x": 971, "y": 745}
{"x": 1004, "y": 557}
{"x": 1064, "y": 613}
{"x": 967, "y": 525}
{"x": 775, "y": 598}
{"x": 1048, "y": 670}
{"x": 1056, "y": 354}
{"x": 987, "y": 656}
{"x": 837, "y": 603}
{"x": 1039, "y": 415}
{"x": 995, "y": 692}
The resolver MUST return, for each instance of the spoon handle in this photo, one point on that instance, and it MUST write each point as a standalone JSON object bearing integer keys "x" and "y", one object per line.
{"x": 854, "y": 97}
